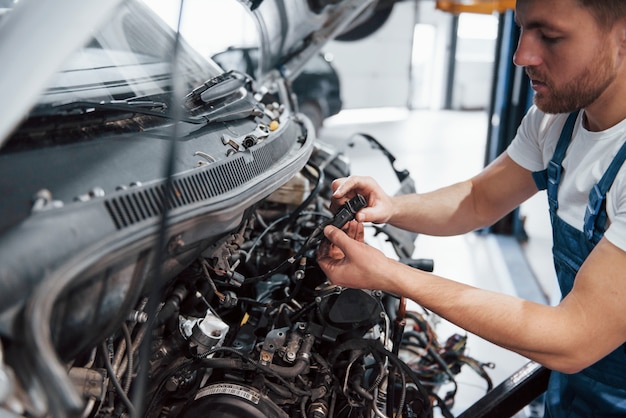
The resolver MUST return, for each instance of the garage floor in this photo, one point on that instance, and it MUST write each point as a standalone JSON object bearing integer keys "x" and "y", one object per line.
{"x": 438, "y": 148}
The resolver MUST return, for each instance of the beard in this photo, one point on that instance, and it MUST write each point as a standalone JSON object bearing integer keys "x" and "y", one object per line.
{"x": 581, "y": 91}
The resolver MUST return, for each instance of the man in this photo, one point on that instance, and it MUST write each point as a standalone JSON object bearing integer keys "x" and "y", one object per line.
{"x": 574, "y": 52}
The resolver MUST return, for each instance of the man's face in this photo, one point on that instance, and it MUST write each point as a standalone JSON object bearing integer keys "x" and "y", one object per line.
{"x": 570, "y": 60}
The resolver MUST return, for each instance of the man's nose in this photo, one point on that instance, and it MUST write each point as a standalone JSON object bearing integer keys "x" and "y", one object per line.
{"x": 527, "y": 54}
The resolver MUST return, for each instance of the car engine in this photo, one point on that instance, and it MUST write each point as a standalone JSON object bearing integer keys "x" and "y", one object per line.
{"x": 252, "y": 328}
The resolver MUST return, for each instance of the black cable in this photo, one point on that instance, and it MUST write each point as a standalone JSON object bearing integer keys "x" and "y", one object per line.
{"x": 262, "y": 368}
{"x": 279, "y": 269}
{"x": 115, "y": 381}
{"x": 152, "y": 404}
{"x": 478, "y": 368}
{"x": 442, "y": 406}
{"x": 375, "y": 345}
{"x": 402, "y": 395}
{"x": 152, "y": 306}
{"x": 409, "y": 372}
{"x": 289, "y": 221}
{"x": 129, "y": 354}
{"x": 258, "y": 239}
{"x": 316, "y": 190}
{"x": 430, "y": 348}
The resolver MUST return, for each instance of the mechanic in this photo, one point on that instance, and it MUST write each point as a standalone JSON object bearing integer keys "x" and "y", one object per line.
{"x": 574, "y": 52}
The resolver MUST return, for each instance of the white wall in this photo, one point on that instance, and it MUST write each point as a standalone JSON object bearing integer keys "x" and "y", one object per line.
{"x": 374, "y": 71}
{"x": 431, "y": 51}
{"x": 210, "y": 26}
{"x": 475, "y": 57}
{"x": 406, "y": 62}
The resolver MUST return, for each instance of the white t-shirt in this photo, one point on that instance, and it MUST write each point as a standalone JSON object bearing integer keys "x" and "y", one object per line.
{"x": 586, "y": 159}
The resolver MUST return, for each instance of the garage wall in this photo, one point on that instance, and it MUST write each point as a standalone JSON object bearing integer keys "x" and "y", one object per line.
{"x": 476, "y": 51}
{"x": 374, "y": 72}
{"x": 406, "y": 62}
{"x": 431, "y": 56}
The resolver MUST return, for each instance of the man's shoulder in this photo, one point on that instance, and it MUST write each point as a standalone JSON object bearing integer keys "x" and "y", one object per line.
{"x": 540, "y": 128}
{"x": 541, "y": 122}
{"x": 536, "y": 139}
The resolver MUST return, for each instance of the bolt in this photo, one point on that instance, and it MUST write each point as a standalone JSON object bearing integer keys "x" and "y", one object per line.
{"x": 175, "y": 243}
{"x": 137, "y": 316}
{"x": 172, "y": 384}
{"x": 96, "y": 192}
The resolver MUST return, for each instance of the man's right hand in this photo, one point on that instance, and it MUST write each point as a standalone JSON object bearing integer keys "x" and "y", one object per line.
{"x": 347, "y": 261}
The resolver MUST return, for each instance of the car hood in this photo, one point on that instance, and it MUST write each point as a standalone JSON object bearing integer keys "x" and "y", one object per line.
{"x": 293, "y": 31}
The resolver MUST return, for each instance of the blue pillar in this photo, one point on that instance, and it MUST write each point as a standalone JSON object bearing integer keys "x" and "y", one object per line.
{"x": 510, "y": 98}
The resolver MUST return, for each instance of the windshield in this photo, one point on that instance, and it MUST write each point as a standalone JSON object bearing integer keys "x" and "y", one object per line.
{"x": 129, "y": 62}
{"x": 130, "y": 58}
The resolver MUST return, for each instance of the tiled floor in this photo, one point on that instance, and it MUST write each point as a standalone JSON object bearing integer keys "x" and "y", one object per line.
{"x": 438, "y": 148}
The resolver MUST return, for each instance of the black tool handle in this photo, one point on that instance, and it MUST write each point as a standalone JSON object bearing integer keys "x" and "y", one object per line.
{"x": 348, "y": 211}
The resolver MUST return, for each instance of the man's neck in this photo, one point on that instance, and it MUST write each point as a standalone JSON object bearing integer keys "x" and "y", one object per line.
{"x": 598, "y": 121}
{"x": 609, "y": 109}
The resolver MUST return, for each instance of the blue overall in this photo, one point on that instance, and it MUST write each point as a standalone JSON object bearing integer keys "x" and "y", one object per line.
{"x": 600, "y": 389}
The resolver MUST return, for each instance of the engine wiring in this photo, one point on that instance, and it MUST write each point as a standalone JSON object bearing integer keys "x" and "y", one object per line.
{"x": 290, "y": 337}
{"x": 436, "y": 363}
{"x": 288, "y": 221}
{"x": 419, "y": 360}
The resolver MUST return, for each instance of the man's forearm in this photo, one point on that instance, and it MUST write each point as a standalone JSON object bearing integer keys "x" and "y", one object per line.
{"x": 468, "y": 205}
{"x": 444, "y": 212}
{"x": 542, "y": 333}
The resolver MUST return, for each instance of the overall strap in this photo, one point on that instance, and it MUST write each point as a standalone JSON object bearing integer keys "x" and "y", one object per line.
{"x": 550, "y": 177}
{"x": 597, "y": 196}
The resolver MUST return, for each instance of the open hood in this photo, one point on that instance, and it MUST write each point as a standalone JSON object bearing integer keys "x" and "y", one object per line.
{"x": 293, "y": 31}
{"x": 36, "y": 36}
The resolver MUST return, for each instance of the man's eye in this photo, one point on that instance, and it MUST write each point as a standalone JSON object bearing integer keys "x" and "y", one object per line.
{"x": 550, "y": 39}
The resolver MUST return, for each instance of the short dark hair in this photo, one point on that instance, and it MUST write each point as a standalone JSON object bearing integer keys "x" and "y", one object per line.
{"x": 606, "y": 12}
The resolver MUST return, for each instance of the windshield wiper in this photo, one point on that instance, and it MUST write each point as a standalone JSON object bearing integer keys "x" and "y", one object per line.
{"x": 85, "y": 107}
{"x": 217, "y": 111}
{"x": 223, "y": 98}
